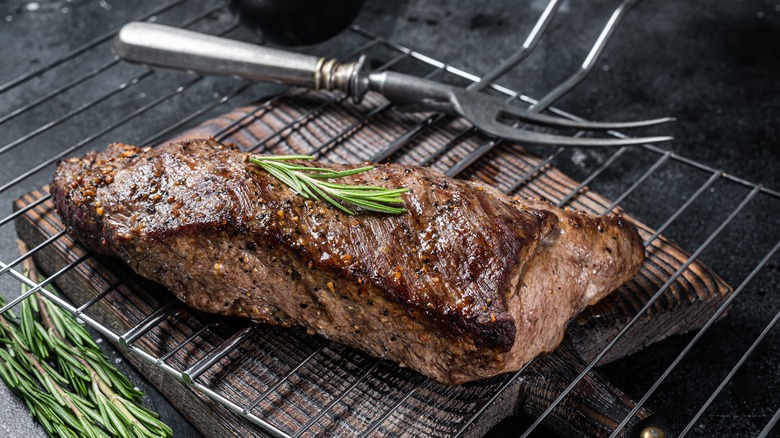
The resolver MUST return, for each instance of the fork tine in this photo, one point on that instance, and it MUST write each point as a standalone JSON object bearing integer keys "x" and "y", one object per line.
{"x": 524, "y": 136}
{"x": 559, "y": 122}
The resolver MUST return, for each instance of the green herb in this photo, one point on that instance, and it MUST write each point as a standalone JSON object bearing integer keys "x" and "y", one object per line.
{"x": 309, "y": 182}
{"x": 49, "y": 360}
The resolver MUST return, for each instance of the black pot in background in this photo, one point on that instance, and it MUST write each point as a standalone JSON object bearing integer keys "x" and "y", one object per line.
{"x": 297, "y": 22}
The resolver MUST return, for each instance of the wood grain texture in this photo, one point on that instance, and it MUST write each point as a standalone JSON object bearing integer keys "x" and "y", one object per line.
{"x": 357, "y": 391}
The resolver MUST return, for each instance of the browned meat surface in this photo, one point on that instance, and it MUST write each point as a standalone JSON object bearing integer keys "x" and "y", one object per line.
{"x": 468, "y": 284}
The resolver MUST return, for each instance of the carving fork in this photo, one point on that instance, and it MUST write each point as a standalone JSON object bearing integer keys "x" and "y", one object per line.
{"x": 157, "y": 45}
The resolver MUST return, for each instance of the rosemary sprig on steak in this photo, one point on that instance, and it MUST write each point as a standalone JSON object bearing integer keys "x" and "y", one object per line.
{"x": 49, "y": 360}
{"x": 308, "y": 182}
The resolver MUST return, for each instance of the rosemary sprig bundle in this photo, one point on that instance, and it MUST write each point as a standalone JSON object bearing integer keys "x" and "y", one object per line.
{"x": 309, "y": 182}
{"x": 50, "y": 361}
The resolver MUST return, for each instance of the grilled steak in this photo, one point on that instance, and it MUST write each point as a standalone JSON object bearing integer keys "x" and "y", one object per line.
{"x": 468, "y": 284}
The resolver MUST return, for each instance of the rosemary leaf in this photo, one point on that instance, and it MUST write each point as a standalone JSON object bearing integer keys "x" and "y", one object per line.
{"x": 120, "y": 427}
{"x": 59, "y": 325}
{"x": 6, "y": 375}
{"x": 321, "y": 191}
{"x": 58, "y": 378}
{"x": 88, "y": 408}
{"x": 43, "y": 341}
{"x": 28, "y": 324}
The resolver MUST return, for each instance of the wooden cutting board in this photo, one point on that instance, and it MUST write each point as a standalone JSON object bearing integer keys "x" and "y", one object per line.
{"x": 292, "y": 380}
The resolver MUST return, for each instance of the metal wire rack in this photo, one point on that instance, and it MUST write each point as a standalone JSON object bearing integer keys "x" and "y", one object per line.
{"x": 627, "y": 175}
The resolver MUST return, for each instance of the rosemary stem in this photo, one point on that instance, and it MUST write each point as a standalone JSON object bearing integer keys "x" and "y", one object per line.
{"x": 7, "y": 328}
{"x": 112, "y": 396}
{"x": 63, "y": 394}
{"x": 46, "y": 320}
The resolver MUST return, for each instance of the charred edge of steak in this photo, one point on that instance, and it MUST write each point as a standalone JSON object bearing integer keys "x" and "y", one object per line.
{"x": 76, "y": 182}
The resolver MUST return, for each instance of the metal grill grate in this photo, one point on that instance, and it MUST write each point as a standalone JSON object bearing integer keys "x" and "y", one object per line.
{"x": 94, "y": 117}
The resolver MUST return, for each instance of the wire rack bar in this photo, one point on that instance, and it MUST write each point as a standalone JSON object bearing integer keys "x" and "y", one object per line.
{"x": 159, "y": 136}
{"x": 452, "y": 143}
{"x": 637, "y": 183}
{"x": 703, "y": 188}
{"x": 335, "y": 401}
{"x": 35, "y": 287}
{"x": 149, "y": 322}
{"x": 472, "y": 158}
{"x": 236, "y": 409}
{"x": 770, "y": 425}
{"x": 534, "y": 171}
{"x": 492, "y": 399}
{"x": 80, "y": 109}
{"x": 187, "y": 340}
{"x": 702, "y": 166}
{"x": 53, "y": 159}
{"x": 203, "y": 389}
{"x": 24, "y": 210}
{"x": 32, "y": 251}
{"x": 284, "y": 378}
{"x": 410, "y": 134}
{"x": 45, "y": 98}
{"x": 379, "y": 421}
{"x": 143, "y": 109}
{"x": 417, "y": 55}
{"x": 221, "y": 351}
{"x": 92, "y": 301}
{"x": 593, "y": 175}
{"x": 83, "y": 48}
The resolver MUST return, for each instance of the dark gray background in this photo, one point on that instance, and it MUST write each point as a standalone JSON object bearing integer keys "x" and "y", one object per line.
{"x": 714, "y": 65}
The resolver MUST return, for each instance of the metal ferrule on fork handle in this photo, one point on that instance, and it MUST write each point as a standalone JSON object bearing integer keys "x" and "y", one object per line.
{"x": 351, "y": 77}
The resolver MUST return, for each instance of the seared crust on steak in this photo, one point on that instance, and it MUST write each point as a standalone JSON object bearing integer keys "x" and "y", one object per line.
{"x": 468, "y": 284}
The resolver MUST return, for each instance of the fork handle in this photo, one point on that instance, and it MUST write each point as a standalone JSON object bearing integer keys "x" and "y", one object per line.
{"x": 168, "y": 47}
{"x": 414, "y": 94}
